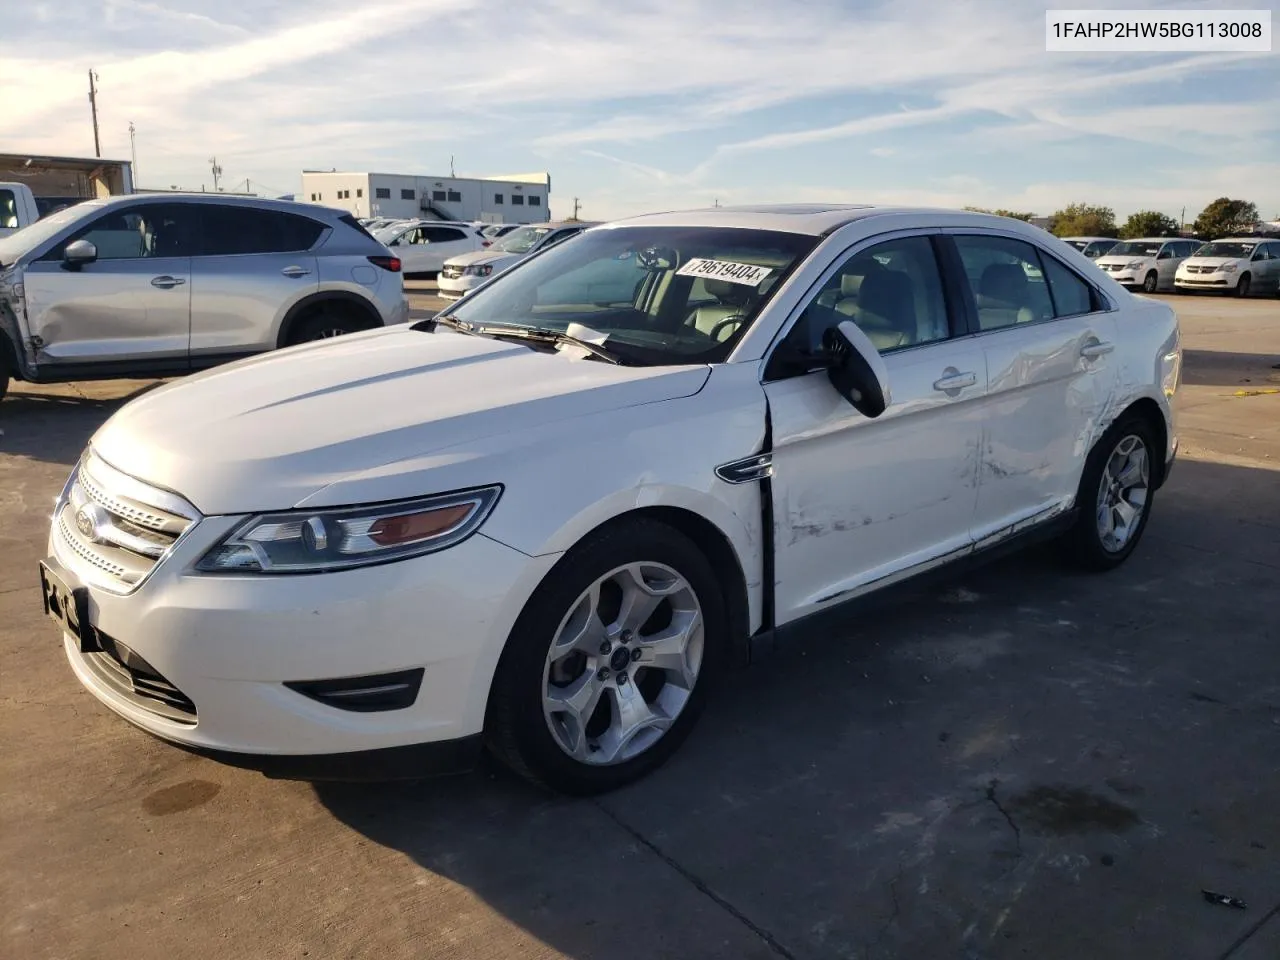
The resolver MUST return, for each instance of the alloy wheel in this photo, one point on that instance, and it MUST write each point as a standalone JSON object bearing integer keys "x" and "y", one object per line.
{"x": 623, "y": 664}
{"x": 1123, "y": 492}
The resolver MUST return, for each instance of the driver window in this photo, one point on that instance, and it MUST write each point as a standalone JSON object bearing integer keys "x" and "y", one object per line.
{"x": 892, "y": 291}
{"x": 134, "y": 233}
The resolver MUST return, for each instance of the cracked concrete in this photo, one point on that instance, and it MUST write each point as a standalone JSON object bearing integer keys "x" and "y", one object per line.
{"x": 1019, "y": 763}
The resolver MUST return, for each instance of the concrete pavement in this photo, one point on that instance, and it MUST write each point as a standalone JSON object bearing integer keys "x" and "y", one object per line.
{"x": 1020, "y": 763}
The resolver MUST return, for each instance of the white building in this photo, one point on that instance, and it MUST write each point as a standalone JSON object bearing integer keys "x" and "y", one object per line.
{"x": 522, "y": 198}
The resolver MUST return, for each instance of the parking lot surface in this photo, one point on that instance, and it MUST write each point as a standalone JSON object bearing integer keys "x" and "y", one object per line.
{"x": 1021, "y": 762}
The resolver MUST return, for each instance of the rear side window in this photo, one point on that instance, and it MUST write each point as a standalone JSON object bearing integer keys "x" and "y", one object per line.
{"x": 1071, "y": 295}
{"x": 229, "y": 230}
{"x": 442, "y": 234}
{"x": 1008, "y": 284}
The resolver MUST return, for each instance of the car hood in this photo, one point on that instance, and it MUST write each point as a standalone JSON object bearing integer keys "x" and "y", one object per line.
{"x": 481, "y": 256}
{"x": 267, "y": 432}
{"x": 1208, "y": 261}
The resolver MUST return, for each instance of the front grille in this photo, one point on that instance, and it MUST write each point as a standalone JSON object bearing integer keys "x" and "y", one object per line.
{"x": 1193, "y": 269}
{"x": 117, "y": 527}
{"x": 137, "y": 681}
{"x": 451, "y": 273}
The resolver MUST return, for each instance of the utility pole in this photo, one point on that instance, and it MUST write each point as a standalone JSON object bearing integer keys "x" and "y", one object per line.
{"x": 576, "y": 207}
{"x": 451, "y": 173}
{"x": 217, "y": 172}
{"x": 1183, "y": 228}
{"x": 93, "y": 106}
{"x": 133, "y": 154}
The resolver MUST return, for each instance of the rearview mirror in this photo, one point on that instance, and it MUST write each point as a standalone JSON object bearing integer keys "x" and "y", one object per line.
{"x": 856, "y": 369}
{"x": 78, "y": 253}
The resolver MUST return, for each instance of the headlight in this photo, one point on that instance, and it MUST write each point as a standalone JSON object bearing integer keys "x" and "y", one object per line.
{"x": 311, "y": 541}
{"x": 1134, "y": 264}
{"x": 1228, "y": 268}
{"x": 479, "y": 271}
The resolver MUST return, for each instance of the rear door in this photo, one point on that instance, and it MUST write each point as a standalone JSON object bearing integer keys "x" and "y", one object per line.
{"x": 251, "y": 265}
{"x": 1048, "y": 340}
{"x": 131, "y": 305}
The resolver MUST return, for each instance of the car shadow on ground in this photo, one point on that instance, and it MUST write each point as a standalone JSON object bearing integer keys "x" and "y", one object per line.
{"x": 1242, "y": 371}
{"x": 1022, "y": 761}
{"x": 52, "y": 424}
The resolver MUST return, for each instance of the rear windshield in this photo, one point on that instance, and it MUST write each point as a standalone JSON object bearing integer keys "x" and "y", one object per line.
{"x": 659, "y": 295}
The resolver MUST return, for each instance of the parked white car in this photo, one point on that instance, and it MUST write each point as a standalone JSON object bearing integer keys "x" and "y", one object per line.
{"x": 1092, "y": 247}
{"x": 424, "y": 245}
{"x": 464, "y": 273}
{"x": 17, "y": 208}
{"x": 1149, "y": 263}
{"x": 547, "y": 520}
{"x": 1238, "y": 266}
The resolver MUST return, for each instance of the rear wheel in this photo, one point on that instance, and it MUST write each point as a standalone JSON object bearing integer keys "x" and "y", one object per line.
{"x": 609, "y": 665}
{"x": 1242, "y": 286}
{"x": 324, "y": 322}
{"x": 1150, "y": 282}
{"x": 1115, "y": 496}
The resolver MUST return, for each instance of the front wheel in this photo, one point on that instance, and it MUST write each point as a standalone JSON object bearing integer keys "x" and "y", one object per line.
{"x": 1150, "y": 282}
{"x": 1242, "y": 286}
{"x": 609, "y": 665}
{"x": 1115, "y": 496}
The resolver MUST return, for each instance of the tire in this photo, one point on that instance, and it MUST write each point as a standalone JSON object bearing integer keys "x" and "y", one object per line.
{"x": 1242, "y": 286}
{"x": 535, "y": 670}
{"x": 323, "y": 322}
{"x": 1150, "y": 282}
{"x": 1085, "y": 544}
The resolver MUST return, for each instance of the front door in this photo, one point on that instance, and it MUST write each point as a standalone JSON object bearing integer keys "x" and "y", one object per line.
{"x": 1051, "y": 372}
{"x": 860, "y": 502}
{"x": 132, "y": 303}
{"x": 250, "y": 266}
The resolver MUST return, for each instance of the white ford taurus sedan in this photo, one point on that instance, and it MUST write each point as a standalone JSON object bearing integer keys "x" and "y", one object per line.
{"x": 547, "y": 521}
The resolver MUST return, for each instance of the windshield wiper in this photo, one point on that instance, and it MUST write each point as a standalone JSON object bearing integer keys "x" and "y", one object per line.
{"x": 546, "y": 335}
{"x": 430, "y": 323}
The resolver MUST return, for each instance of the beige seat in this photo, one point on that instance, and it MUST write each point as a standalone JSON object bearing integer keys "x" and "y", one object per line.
{"x": 886, "y": 309}
{"x": 1003, "y": 297}
{"x": 733, "y": 301}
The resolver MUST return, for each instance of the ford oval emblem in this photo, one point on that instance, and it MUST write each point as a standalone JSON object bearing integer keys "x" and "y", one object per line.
{"x": 88, "y": 519}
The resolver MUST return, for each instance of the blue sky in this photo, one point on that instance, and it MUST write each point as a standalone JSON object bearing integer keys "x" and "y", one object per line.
{"x": 650, "y": 104}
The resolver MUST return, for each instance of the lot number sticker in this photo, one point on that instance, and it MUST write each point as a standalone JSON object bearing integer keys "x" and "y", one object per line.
{"x": 745, "y": 273}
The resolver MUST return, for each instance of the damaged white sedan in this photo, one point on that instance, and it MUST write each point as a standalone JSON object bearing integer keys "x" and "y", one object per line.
{"x": 546, "y": 521}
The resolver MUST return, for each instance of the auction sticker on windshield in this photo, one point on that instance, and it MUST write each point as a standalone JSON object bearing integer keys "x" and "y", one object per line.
{"x": 747, "y": 274}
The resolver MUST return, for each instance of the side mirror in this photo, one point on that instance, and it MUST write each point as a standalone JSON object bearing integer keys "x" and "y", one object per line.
{"x": 856, "y": 369}
{"x": 78, "y": 253}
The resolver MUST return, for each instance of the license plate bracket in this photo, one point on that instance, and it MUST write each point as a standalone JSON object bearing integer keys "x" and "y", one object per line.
{"x": 66, "y": 605}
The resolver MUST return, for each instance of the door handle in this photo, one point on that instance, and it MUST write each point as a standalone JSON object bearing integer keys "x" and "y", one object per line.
{"x": 1096, "y": 348}
{"x": 953, "y": 379}
{"x": 295, "y": 271}
{"x": 166, "y": 282}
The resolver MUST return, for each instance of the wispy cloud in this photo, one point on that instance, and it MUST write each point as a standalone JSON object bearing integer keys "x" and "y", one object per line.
{"x": 659, "y": 102}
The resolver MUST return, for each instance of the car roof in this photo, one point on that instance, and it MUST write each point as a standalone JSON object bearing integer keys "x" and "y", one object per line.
{"x": 1153, "y": 239}
{"x": 814, "y": 219}
{"x": 1088, "y": 239}
{"x": 1240, "y": 240}
{"x": 314, "y": 210}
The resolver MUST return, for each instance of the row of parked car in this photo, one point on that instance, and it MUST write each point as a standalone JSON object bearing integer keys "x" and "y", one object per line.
{"x": 464, "y": 254}
{"x": 1241, "y": 265}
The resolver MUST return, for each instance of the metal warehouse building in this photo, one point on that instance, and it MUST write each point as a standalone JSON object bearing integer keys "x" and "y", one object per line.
{"x": 522, "y": 198}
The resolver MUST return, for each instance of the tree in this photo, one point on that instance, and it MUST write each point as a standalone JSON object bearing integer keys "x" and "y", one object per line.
{"x": 1012, "y": 214}
{"x": 1225, "y": 218}
{"x": 1149, "y": 223}
{"x": 1083, "y": 220}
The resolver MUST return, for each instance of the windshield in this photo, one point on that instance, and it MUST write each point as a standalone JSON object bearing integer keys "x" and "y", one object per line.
{"x": 29, "y": 237}
{"x": 658, "y": 295}
{"x": 1136, "y": 248}
{"x": 1078, "y": 244}
{"x": 1221, "y": 249}
{"x": 1098, "y": 248}
{"x": 522, "y": 240}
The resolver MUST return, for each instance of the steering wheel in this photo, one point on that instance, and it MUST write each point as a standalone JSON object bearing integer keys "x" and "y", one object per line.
{"x": 735, "y": 320}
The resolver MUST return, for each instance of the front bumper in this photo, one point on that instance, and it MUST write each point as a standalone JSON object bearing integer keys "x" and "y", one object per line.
{"x": 1208, "y": 281}
{"x": 451, "y": 288}
{"x": 229, "y": 644}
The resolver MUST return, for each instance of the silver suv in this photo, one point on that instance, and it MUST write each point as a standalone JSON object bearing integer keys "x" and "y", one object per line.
{"x": 146, "y": 285}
